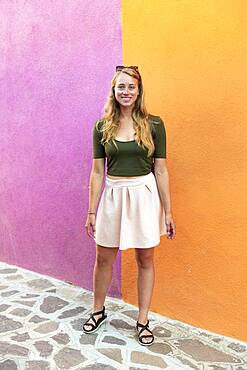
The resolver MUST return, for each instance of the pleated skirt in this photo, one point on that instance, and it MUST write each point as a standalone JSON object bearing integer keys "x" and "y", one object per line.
{"x": 130, "y": 213}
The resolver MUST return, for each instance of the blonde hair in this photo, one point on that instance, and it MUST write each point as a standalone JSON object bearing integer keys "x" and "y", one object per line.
{"x": 110, "y": 126}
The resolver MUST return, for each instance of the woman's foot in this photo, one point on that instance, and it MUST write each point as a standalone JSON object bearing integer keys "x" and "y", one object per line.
{"x": 94, "y": 321}
{"x": 145, "y": 335}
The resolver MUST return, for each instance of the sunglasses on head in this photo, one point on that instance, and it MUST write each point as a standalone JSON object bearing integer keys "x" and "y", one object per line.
{"x": 119, "y": 68}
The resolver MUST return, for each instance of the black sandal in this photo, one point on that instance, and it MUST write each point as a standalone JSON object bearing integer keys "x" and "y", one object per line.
{"x": 140, "y": 336}
{"x": 95, "y": 325}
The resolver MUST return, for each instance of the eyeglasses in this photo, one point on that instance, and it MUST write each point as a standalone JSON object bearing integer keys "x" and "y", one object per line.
{"x": 119, "y": 68}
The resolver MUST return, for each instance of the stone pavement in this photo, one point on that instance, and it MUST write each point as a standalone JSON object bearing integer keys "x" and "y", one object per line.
{"x": 40, "y": 329}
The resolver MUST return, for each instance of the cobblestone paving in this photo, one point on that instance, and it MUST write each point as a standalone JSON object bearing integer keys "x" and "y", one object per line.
{"x": 40, "y": 329}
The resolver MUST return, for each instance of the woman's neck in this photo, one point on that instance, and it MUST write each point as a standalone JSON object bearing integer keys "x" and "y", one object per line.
{"x": 126, "y": 113}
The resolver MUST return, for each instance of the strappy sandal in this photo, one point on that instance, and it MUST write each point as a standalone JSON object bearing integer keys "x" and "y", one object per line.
{"x": 140, "y": 336}
{"x": 96, "y": 324}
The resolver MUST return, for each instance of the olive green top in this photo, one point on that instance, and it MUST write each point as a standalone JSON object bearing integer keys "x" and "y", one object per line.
{"x": 129, "y": 158}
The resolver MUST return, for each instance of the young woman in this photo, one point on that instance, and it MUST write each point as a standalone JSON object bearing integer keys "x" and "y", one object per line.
{"x": 134, "y": 209}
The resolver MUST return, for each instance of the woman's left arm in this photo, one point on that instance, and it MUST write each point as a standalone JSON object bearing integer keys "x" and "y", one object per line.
{"x": 162, "y": 179}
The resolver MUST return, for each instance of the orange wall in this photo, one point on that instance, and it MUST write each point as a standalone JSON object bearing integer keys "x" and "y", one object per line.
{"x": 193, "y": 58}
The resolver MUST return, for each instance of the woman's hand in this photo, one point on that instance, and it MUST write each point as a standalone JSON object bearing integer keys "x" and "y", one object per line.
{"x": 90, "y": 225}
{"x": 170, "y": 226}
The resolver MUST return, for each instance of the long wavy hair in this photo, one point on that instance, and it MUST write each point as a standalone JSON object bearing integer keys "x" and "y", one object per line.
{"x": 110, "y": 126}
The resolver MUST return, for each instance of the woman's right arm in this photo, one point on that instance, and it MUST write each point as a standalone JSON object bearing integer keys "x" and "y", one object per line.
{"x": 95, "y": 185}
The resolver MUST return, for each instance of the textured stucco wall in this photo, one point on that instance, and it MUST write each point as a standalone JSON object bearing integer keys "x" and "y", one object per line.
{"x": 57, "y": 58}
{"x": 193, "y": 58}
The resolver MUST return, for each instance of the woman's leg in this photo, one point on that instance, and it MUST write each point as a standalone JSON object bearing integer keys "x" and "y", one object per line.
{"x": 102, "y": 276}
{"x": 145, "y": 283}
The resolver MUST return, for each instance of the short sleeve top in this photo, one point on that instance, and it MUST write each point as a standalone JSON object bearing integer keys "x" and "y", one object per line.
{"x": 129, "y": 158}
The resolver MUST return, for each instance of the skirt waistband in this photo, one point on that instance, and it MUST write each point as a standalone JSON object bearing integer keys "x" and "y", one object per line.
{"x": 119, "y": 183}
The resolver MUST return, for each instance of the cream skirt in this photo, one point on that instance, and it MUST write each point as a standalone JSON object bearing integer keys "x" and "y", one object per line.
{"x": 130, "y": 213}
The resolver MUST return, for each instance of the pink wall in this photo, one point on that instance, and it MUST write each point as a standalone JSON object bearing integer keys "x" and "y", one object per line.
{"x": 57, "y": 59}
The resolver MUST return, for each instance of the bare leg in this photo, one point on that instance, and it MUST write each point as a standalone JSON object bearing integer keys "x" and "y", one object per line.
{"x": 102, "y": 276}
{"x": 145, "y": 284}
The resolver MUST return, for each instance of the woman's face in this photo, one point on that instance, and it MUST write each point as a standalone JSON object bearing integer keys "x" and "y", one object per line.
{"x": 126, "y": 90}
